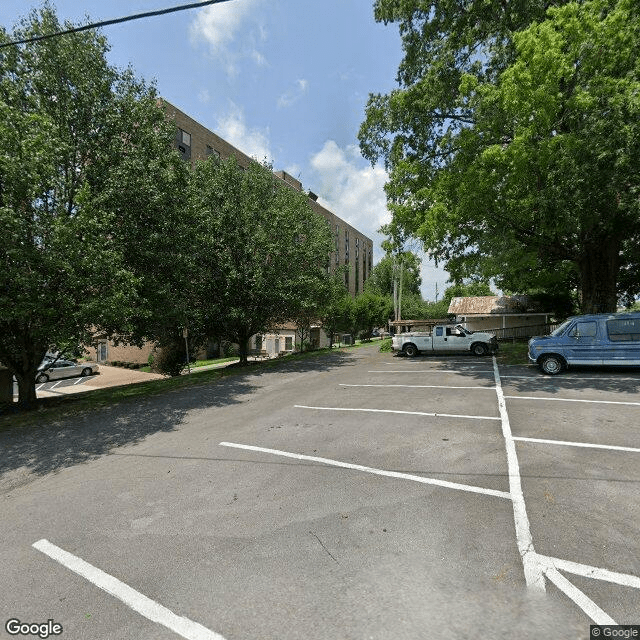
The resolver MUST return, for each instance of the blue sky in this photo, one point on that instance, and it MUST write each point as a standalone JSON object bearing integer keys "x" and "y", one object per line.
{"x": 283, "y": 80}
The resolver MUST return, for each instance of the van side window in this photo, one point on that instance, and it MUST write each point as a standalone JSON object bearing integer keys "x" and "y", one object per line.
{"x": 438, "y": 331}
{"x": 583, "y": 330}
{"x": 624, "y": 330}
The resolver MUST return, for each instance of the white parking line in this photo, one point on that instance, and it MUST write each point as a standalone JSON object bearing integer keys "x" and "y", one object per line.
{"x": 634, "y": 404}
{"x": 532, "y": 568}
{"x": 410, "y": 413}
{"x": 587, "y": 571}
{"x": 123, "y": 592}
{"x": 54, "y": 386}
{"x": 78, "y": 381}
{"x": 415, "y": 386}
{"x": 566, "y": 378}
{"x": 579, "y": 444}
{"x": 378, "y": 472}
{"x": 438, "y": 371}
{"x": 584, "y": 602}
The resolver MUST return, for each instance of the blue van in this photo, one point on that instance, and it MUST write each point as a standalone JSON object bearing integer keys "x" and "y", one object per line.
{"x": 600, "y": 339}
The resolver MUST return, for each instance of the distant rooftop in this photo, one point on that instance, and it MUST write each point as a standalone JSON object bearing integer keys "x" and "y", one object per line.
{"x": 492, "y": 305}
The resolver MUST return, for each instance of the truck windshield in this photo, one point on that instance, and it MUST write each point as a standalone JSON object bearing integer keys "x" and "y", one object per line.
{"x": 464, "y": 329}
{"x": 560, "y": 330}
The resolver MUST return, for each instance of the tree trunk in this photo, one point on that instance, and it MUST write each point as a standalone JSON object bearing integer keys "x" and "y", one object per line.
{"x": 599, "y": 269}
{"x": 27, "y": 389}
{"x": 243, "y": 349}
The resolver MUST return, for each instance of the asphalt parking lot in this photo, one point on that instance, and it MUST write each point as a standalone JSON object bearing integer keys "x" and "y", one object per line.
{"x": 367, "y": 497}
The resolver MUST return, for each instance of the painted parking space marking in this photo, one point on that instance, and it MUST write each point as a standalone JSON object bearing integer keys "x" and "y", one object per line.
{"x": 409, "y": 413}
{"x": 415, "y": 386}
{"x": 567, "y": 378}
{"x": 372, "y": 470}
{"x": 54, "y": 386}
{"x": 548, "y": 566}
{"x": 129, "y": 596}
{"x": 583, "y": 601}
{"x": 633, "y": 404}
{"x": 587, "y": 571}
{"x": 586, "y": 445}
{"x": 532, "y": 568}
{"x": 439, "y": 371}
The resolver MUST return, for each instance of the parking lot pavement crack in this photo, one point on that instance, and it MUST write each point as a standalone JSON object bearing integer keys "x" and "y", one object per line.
{"x": 324, "y": 547}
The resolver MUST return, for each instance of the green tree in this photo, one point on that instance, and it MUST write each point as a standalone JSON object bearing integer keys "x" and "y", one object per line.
{"x": 371, "y": 310}
{"x": 70, "y": 122}
{"x": 334, "y": 314}
{"x": 518, "y": 160}
{"x": 263, "y": 249}
{"x": 382, "y": 275}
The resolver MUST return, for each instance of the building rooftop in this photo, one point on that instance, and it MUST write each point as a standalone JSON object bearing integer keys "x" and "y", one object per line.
{"x": 493, "y": 305}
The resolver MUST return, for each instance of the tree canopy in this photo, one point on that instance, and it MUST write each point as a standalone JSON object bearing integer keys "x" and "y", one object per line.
{"x": 79, "y": 139}
{"x": 513, "y": 142}
{"x": 263, "y": 250}
{"x": 383, "y": 273}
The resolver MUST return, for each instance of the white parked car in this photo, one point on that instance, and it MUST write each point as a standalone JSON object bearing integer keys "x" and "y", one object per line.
{"x": 50, "y": 370}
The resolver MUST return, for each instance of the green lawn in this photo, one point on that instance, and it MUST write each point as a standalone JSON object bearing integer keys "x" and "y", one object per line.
{"x": 48, "y": 410}
{"x": 512, "y": 353}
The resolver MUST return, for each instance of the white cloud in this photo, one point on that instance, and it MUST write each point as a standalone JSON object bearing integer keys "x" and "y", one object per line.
{"x": 293, "y": 95}
{"x": 354, "y": 191}
{"x": 225, "y": 28}
{"x": 254, "y": 142}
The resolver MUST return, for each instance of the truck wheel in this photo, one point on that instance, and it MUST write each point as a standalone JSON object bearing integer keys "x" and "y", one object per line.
{"x": 479, "y": 349}
{"x": 411, "y": 350}
{"x": 552, "y": 365}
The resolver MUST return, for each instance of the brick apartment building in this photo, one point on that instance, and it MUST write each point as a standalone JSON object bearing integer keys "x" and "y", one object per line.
{"x": 351, "y": 247}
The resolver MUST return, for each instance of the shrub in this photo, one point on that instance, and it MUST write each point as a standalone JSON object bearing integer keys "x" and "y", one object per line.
{"x": 385, "y": 345}
{"x": 169, "y": 360}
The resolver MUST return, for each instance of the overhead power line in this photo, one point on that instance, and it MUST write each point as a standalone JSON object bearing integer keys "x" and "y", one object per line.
{"x": 104, "y": 23}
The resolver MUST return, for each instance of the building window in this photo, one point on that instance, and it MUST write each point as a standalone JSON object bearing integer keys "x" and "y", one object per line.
{"x": 183, "y": 142}
{"x": 288, "y": 343}
{"x": 212, "y": 152}
{"x": 258, "y": 343}
{"x": 103, "y": 351}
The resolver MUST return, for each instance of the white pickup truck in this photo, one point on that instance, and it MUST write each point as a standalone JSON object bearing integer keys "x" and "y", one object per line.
{"x": 445, "y": 338}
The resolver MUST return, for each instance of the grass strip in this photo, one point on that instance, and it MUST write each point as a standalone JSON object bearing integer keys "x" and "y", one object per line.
{"x": 48, "y": 410}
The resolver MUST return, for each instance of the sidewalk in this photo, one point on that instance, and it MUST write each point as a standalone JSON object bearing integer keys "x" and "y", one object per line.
{"x": 107, "y": 377}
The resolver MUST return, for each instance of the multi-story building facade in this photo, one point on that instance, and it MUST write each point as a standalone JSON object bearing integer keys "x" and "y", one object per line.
{"x": 352, "y": 248}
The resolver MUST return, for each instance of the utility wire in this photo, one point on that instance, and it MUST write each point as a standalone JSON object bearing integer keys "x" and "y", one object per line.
{"x": 104, "y": 23}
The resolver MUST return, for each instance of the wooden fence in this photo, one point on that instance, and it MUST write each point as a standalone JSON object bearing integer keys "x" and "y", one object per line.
{"x": 523, "y": 333}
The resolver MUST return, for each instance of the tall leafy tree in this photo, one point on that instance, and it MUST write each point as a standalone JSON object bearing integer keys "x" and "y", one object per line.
{"x": 383, "y": 273}
{"x": 519, "y": 160}
{"x": 264, "y": 251}
{"x": 75, "y": 131}
{"x": 334, "y": 314}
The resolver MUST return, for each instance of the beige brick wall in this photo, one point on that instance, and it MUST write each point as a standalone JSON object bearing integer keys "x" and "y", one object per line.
{"x": 122, "y": 352}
